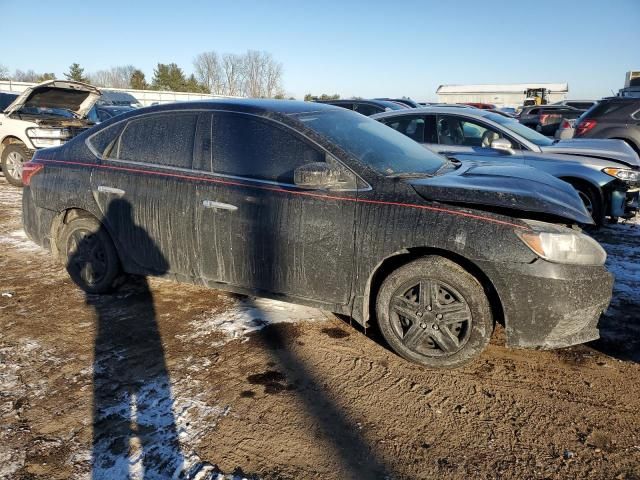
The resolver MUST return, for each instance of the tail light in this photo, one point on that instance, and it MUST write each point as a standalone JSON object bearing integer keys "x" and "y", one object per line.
{"x": 29, "y": 169}
{"x": 584, "y": 126}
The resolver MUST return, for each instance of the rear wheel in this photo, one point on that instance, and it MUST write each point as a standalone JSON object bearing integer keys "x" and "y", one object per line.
{"x": 91, "y": 258}
{"x": 14, "y": 156}
{"x": 433, "y": 312}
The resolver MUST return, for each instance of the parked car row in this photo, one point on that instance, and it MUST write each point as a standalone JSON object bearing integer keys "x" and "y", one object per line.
{"x": 322, "y": 206}
{"x": 48, "y": 115}
{"x": 605, "y": 173}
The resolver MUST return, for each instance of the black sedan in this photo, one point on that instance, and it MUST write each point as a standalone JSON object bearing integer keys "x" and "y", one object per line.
{"x": 321, "y": 206}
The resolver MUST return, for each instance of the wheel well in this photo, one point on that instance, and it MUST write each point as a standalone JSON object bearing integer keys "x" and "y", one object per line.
{"x": 8, "y": 141}
{"x": 61, "y": 219}
{"x": 585, "y": 183}
{"x": 402, "y": 258}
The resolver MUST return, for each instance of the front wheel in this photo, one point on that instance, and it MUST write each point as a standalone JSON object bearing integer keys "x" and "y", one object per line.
{"x": 14, "y": 156}
{"x": 91, "y": 258}
{"x": 433, "y": 312}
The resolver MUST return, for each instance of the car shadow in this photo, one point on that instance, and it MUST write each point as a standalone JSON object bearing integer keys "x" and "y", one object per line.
{"x": 134, "y": 429}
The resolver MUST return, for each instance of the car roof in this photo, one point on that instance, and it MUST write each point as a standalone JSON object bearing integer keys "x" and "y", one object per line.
{"x": 471, "y": 112}
{"x": 249, "y": 105}
{"x": 379, "y": 103}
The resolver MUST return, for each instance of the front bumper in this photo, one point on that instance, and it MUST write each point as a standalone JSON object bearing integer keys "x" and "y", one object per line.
{"x": 548, "y": 305}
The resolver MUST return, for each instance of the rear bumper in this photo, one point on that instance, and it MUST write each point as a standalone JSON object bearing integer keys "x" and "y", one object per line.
{"x": 548, "y": 305}
{"x": 36, "y": 221}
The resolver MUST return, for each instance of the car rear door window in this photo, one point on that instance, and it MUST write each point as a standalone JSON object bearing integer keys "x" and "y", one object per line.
{"x": 247, "y": 146}
{"x": 454, "y": 130}
{"x": 161, "y": 139}
{"x": 420, "y": 128}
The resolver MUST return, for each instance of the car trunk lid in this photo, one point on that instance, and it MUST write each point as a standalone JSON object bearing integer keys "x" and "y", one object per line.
{"x": 75, "y": 97}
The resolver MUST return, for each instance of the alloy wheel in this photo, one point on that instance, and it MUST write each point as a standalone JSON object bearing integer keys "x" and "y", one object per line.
{"x": 430, "y": 317}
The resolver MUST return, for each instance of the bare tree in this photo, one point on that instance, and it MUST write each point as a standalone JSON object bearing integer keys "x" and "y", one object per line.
{"x": 209, "y": 72}
{"x": 273, "y": 79}
{"x": 233, "y": 73}
{"x": 115, "y": 77}
{"x": 254, "y": 67}
{"x": 4, "y": 73}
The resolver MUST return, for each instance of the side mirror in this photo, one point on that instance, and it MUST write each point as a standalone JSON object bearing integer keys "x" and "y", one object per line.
{"x": 503, "y": 145}
{"x": 317, "y": 176}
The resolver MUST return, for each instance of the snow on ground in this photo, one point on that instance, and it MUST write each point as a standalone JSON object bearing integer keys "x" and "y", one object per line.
{"x": 19, "y": 241}
{"x": 243, "y": 316}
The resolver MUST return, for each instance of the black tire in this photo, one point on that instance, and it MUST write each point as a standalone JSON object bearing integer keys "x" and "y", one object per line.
{"x": 13, "y": 157}
{"x": 91, "y": 258}
{"x": 592, "y": 201}
{"x": 423, "y": 332}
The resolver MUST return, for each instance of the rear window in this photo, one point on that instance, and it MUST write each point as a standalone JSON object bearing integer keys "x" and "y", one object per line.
{"x": 606, "y": 108}
{"x": 580, "y": 105}
{"x": 163, "y": 139}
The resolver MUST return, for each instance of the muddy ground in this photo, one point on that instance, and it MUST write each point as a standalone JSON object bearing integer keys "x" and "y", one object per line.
{"x": 160, "y": 377}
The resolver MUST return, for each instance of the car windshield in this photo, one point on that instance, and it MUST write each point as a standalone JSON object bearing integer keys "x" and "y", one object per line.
{"x": 520, "y": 129}
{"x": 373, "y": 143}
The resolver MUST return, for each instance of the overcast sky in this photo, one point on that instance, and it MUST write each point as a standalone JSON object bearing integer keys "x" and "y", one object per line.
{"x": 363, "y": 48}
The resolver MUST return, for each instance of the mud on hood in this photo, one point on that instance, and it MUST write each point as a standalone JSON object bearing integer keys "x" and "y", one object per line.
{"x": 505, "y": 186}
{"x": 74, "y": 96}
{"x": 617, "y": 150}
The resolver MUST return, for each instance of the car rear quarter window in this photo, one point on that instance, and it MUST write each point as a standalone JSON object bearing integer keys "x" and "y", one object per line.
{"x": 367, "y": 109}
{"x": 163, "y": 139}
{"x": 247, "y": 146}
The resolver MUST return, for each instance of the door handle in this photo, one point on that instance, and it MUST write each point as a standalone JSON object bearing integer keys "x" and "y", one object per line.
{"x": 219, "y": 205}
{"x": 115, "y": 191}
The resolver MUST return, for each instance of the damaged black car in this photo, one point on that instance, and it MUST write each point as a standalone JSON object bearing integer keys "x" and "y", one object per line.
{"x": 317, "y": 205}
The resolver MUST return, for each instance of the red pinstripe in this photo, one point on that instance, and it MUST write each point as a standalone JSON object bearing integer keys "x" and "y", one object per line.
{"x": 282, "y": 190}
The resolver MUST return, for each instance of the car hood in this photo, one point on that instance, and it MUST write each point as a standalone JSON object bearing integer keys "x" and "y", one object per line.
{"x": 617, "y": 150}
{"x": 74, "y": 96}
{"x": 505, "y": 186}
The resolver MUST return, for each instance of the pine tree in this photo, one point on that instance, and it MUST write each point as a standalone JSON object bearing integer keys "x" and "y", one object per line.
{"x": 76, "y": 73}
{"x": 138, "y": 80}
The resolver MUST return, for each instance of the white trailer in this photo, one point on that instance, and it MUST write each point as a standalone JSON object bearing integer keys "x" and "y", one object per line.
{"x": 501, "y": 95}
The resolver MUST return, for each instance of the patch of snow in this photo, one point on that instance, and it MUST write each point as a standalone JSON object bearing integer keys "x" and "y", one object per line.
{"x": 244, "y": 316}
{"x": 19, "y": 241}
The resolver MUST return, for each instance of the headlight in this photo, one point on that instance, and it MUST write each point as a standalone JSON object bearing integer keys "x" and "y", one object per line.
{"x": 568, "y": 247}
{"x": 48, "y": 137}
{"x": 631, "y": 176}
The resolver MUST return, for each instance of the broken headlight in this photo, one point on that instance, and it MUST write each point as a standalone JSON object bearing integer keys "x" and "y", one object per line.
{"x": 569, "y": 247}
{"x": 624, "y": 174}
{"x": 48, "y": 137}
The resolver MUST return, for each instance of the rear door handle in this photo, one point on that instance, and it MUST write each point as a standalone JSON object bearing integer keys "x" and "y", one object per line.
{"x": 219, "y": 205}
{"x": 115, "y": 191}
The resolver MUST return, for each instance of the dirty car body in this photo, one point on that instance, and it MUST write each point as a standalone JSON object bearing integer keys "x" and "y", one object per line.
{"x": 606, "y": 173}
{"x": 316, "y": 205}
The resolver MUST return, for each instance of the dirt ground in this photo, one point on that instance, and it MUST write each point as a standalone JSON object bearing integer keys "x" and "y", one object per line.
{"x": 161, "y": 376}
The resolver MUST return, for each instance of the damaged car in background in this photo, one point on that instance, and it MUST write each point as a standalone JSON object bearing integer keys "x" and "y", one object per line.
{"x": 605, "y": 173}
{"x": 321, "y": 206}
{"x": 46, "y": 115}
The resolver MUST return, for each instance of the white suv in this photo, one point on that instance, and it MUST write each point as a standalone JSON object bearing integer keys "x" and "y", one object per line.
{"x": 46, "y": 115}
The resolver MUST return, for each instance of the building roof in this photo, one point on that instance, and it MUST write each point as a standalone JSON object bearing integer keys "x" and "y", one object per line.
{"x": 502, "y": 87}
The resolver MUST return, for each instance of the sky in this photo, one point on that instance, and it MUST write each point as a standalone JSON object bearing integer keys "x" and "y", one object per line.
{"x": 353, "y": 48}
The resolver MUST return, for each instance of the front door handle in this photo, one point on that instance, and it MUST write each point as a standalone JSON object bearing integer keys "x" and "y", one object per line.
{"x": 115, "y": 191}
{"x": 219, "y": 205}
